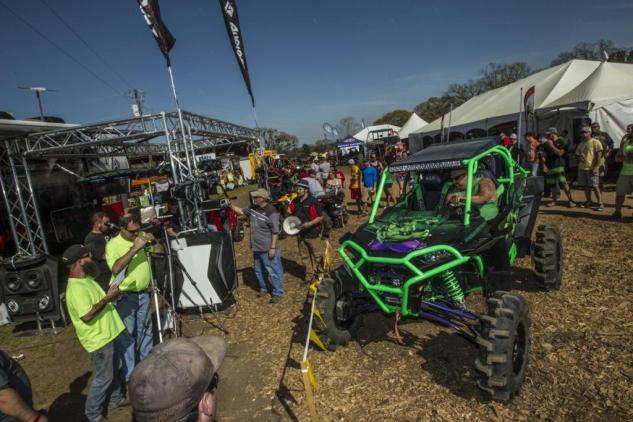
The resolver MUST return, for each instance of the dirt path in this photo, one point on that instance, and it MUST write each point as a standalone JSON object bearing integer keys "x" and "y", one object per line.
{"x": 580, "y": 366}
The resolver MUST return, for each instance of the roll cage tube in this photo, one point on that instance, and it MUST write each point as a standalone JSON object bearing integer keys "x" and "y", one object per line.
{"x": 418, "y": 276}
{"x": 471, "y": 167}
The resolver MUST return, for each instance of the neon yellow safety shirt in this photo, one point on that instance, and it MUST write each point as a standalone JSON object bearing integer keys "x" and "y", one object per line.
{"x": 81, "y": 295}
{"x": 137, "y": 275}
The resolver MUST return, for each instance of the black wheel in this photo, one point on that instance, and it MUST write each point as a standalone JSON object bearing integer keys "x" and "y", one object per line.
{"x": 504, "y": 346}
{"x": 238, "y": 233}
{"x": 547, "y": 254}
{"x": 338, "y": 321}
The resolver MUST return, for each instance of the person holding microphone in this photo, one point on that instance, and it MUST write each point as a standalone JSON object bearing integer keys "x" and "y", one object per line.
{"x": 126, "y": 256}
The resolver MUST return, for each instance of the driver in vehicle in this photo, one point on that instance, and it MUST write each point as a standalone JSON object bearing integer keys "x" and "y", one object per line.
{"x": 483, "y": 197}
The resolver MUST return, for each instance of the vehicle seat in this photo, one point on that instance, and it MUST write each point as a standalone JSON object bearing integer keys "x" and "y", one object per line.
{"x": 434, "y": 188}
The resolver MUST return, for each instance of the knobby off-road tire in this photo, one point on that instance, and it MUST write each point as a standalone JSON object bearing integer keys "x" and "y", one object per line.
{"x": 547, "y": 255}
{"x": 330, "y": 330}
{"x": 504, "y": 346}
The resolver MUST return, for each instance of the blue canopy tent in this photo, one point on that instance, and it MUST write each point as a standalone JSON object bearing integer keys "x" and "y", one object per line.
{"x": 349, "y": 146}
{"x": 349, "y": 141}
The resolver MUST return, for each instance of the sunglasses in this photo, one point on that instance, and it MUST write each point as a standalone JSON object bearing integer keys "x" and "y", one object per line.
{"x": 459, "y": 176}
{"x": 133, "y": 231}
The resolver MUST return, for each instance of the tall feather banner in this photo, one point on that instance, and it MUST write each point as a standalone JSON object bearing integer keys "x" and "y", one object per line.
{"x": 232, "y": 22}
{"x": 151, "y": 13}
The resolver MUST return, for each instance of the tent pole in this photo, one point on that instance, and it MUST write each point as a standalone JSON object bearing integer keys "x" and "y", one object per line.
{"x": 519, "y": 136}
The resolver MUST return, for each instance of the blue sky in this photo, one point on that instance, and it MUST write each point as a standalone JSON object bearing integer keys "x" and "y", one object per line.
{"x": 310, "y": 61}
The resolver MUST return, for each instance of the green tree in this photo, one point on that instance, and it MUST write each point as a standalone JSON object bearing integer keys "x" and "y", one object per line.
{"x": 279, "y": 141}
{"x": 434, "y": 107}
{"x": 496, "y": 75}
{"x": 348, "y": 126}
{"x": 593, "y": 51}
{"x": 323, "y": 145}
{"x": 396, "y": 118}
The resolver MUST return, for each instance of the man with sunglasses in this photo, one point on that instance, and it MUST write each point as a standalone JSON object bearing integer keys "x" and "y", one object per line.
{"x": 127, "y": 258}
{"x": 483, "y": 196}
{"x": 178, "y": 381}
{"x": 99, "y": 329}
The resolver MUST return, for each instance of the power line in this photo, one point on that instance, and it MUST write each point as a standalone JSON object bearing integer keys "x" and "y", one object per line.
{"x": 67, "y": 54}
{"x": 80, "y": 38}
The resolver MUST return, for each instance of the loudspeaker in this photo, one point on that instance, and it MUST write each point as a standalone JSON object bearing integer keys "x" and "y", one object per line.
{"x": 29, "y": 288}
{"x": 204, "y": 271}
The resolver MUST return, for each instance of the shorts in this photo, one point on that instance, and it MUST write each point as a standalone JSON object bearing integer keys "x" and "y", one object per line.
{"x": 369, "y": 195}
{"x": 355, "y": 193}
{"x": 554, "y": 175}
{"x": 624, "y": 185}
{"x": 588, "y": 178}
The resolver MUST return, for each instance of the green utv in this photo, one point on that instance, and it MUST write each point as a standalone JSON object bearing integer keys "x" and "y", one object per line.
{"x": 422, "y": 257}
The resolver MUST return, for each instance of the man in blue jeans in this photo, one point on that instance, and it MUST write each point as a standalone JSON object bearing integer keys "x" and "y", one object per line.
{"x": 126, "y": 255}
{"x": 264, "y": 223}
{"x": 98, "y": 327}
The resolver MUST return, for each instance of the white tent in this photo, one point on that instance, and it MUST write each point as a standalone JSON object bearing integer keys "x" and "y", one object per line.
{"x": 376, "y": 132}
{"x": 601, "y": 91}
{"x": 414, "y": 123}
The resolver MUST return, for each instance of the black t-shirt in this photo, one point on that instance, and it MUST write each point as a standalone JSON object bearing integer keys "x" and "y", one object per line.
{"x": 551, "y": 158}
{"x": 308, "y": 210}
{"x": 13, "y": 376}
{"x": 96, "y": 243}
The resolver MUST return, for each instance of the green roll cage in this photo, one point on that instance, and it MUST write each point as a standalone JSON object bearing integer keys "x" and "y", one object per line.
{"x": 407, "y": 261}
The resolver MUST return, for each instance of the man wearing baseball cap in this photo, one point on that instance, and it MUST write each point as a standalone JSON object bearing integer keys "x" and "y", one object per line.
{"x": 98, "y": 327}
{"x": 308, "y": 209}
{"x": 264, "y": 226}
{"x": 555, "y": 149}
{"x": 178, "y": 381}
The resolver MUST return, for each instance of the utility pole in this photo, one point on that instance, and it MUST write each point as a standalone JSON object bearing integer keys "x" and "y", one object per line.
{"x": 38, "y": 90}
{"x": 137, "y": 96}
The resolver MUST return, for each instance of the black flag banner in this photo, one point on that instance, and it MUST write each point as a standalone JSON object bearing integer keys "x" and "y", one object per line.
{"x": 229, "y": 11}
{"x": 151, "y": 13}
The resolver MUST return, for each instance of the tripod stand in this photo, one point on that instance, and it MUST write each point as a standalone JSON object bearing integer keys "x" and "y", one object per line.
{"x": 155, "y": 291}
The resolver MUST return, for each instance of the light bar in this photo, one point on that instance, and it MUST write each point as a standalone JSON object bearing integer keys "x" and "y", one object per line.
{"x": 432, "y": 165}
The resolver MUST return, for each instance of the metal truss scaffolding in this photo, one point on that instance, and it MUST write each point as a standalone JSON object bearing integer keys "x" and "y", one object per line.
{"x": 149, "y": 135}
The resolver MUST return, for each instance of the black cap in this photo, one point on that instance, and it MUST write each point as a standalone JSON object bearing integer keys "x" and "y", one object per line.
{"x": 73, "y": 254}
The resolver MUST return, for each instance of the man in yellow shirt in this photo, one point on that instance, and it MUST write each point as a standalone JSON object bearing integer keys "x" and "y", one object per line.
{"x": 589, "y": 154}
{"x": 99, "y": 328}
{"x": 127, "y": 258}
{"x": 354, "y": 185}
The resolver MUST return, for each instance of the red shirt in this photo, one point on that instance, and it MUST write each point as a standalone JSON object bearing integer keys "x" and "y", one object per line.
{"x": 341, "y": 176}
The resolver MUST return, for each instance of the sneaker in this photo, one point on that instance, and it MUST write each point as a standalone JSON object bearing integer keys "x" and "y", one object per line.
{"x": 586, "y": 204}
{"x": 571, "y": 204}
{"x": 550, "y": 204}
{"x": 262, "y": 293}
{"x": 276, "y": 299}
{"x": 617, "y": 215}
{"x": 600, "y": 207}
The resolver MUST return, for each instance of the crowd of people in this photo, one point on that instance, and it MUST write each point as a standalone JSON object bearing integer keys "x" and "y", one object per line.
{"x": 550, "y": 155}
{"x": 107, "y": 294}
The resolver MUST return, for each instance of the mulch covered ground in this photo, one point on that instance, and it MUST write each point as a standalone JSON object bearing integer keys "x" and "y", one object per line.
{"x": 580, "y": 364}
